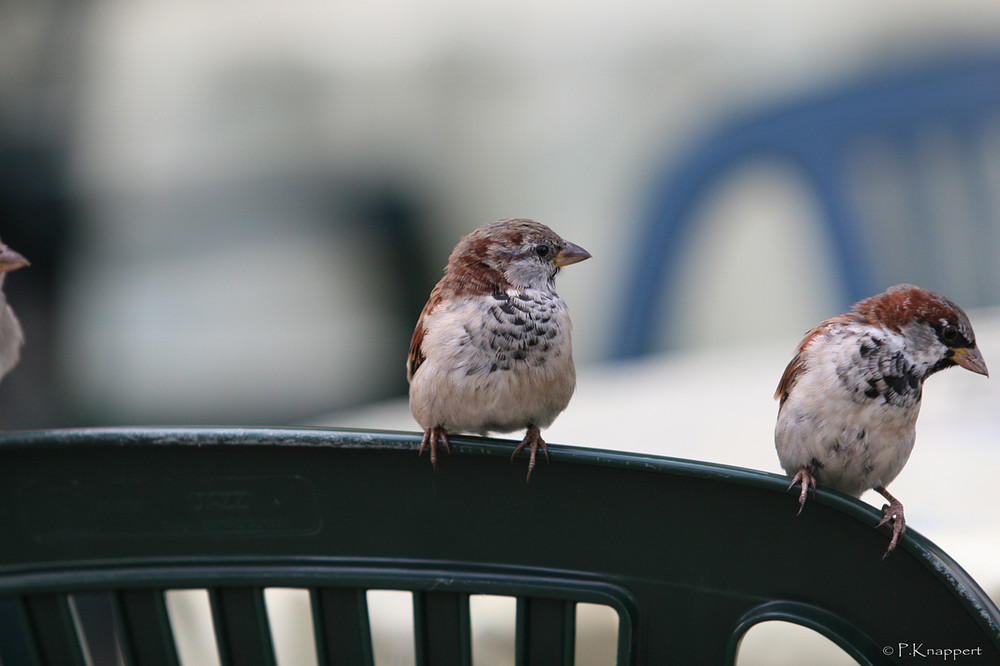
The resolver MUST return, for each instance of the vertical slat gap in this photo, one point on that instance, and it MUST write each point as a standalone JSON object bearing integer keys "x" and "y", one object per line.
{"x": 598, "y": 639}
{"x": 390, "y": 614}
{"x": 293, "y": 632}
{"x": 494, "y": 620}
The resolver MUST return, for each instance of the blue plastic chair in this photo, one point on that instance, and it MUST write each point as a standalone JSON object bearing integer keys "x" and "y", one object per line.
{"x": 689, "y": 555}
{"x": 823, "y": 138}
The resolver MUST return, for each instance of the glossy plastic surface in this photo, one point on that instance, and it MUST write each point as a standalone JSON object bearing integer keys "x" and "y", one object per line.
{"x": 690, "y": 554}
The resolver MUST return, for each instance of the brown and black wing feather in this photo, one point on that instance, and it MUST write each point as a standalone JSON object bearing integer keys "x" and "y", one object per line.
{"x": 797, "y": 364}
{"x": 417, "y": 356}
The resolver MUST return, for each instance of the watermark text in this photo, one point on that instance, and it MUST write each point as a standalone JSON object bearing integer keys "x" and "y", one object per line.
{"x": 923, "y": 651}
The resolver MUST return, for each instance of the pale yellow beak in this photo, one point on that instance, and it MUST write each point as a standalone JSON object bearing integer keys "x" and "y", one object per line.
{"x": 10, "y": 260}
{"x": 970, "y": 358}
{"x": 571, "y": 254}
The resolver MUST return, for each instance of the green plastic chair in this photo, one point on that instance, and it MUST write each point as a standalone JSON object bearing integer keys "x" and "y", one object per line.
{"x": 690, "y": 555}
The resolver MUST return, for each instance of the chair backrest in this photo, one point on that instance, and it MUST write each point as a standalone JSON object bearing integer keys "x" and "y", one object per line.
{"x": 903, "y": 168}
{"x": 690, "y": 555}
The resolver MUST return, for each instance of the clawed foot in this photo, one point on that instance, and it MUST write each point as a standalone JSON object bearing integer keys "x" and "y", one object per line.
{"x": 892, "y": 511}
{"x": 808, "y": 481}
{"x": 431, "y": 437}
{"x": 532, "y": 439}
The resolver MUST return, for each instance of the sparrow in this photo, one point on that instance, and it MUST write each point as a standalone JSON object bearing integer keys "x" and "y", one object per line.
{"x": 492, "y": 351}
{"x": 11, "y": 335}
{"x": 850, "y": 396}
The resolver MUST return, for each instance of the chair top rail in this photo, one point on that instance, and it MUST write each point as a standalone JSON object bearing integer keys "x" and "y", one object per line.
{"x": 684, "y": 550}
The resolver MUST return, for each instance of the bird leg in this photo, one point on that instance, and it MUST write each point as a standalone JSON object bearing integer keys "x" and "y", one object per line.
{"x": 431, "y": 436}
{"x": 533, "y": 439}
{"x": 804, "y": 477}
{"x": 892, "y": 511}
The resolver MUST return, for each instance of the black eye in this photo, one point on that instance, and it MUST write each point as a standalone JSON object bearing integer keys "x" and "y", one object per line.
{"x": 949, "y": 334}
{"x": 542, "y": 250}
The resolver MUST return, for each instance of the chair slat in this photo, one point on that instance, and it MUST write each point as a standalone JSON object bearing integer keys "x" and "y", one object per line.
{"x": 343, "y": 633}
{"x": 242, "y": 632}
{"x": 53, "y": 630}
{"x": 14, "y": 647}
{"x": 144, "y": 628}
{"x": 95, "y": 622}
{"x": 442, "y": 628}
{"x": 546, "y": 632}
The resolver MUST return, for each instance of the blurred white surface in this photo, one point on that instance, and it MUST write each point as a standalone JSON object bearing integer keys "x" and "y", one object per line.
{"x": 556, "y": 111}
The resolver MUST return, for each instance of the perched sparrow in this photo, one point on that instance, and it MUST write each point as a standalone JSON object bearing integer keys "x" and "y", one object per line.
{"x": 851, "y": 394}
{"x": 11, "y": 335}
{"x": 491, "y": 350}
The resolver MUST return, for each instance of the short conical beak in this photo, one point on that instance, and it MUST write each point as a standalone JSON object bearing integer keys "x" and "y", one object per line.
{"x": 10, "y": 260}
{"x": 571, "y": 254}
{"x": 970, "y": 358}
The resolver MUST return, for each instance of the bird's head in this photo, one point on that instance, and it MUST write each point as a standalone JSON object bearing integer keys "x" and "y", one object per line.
{"x": 518, "y": 253}
{"x": 938, "y": 333}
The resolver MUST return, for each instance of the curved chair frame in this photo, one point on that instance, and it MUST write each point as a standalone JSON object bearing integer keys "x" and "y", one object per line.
{"x": 816, "y": 136}
{"x": 689, "y": 554}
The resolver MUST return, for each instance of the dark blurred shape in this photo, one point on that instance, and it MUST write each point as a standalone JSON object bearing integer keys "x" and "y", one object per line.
{"x": 393, "y": 217}
{"x": 35, "y": 218}
{"x": 39, "y": 50}
{"x": 399, "y": 216}
{"x": 902, "y": 164}
{"x": 82, "y": 222}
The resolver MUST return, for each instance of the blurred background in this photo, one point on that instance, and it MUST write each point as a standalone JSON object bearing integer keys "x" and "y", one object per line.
{"x": 235, "y": 211}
